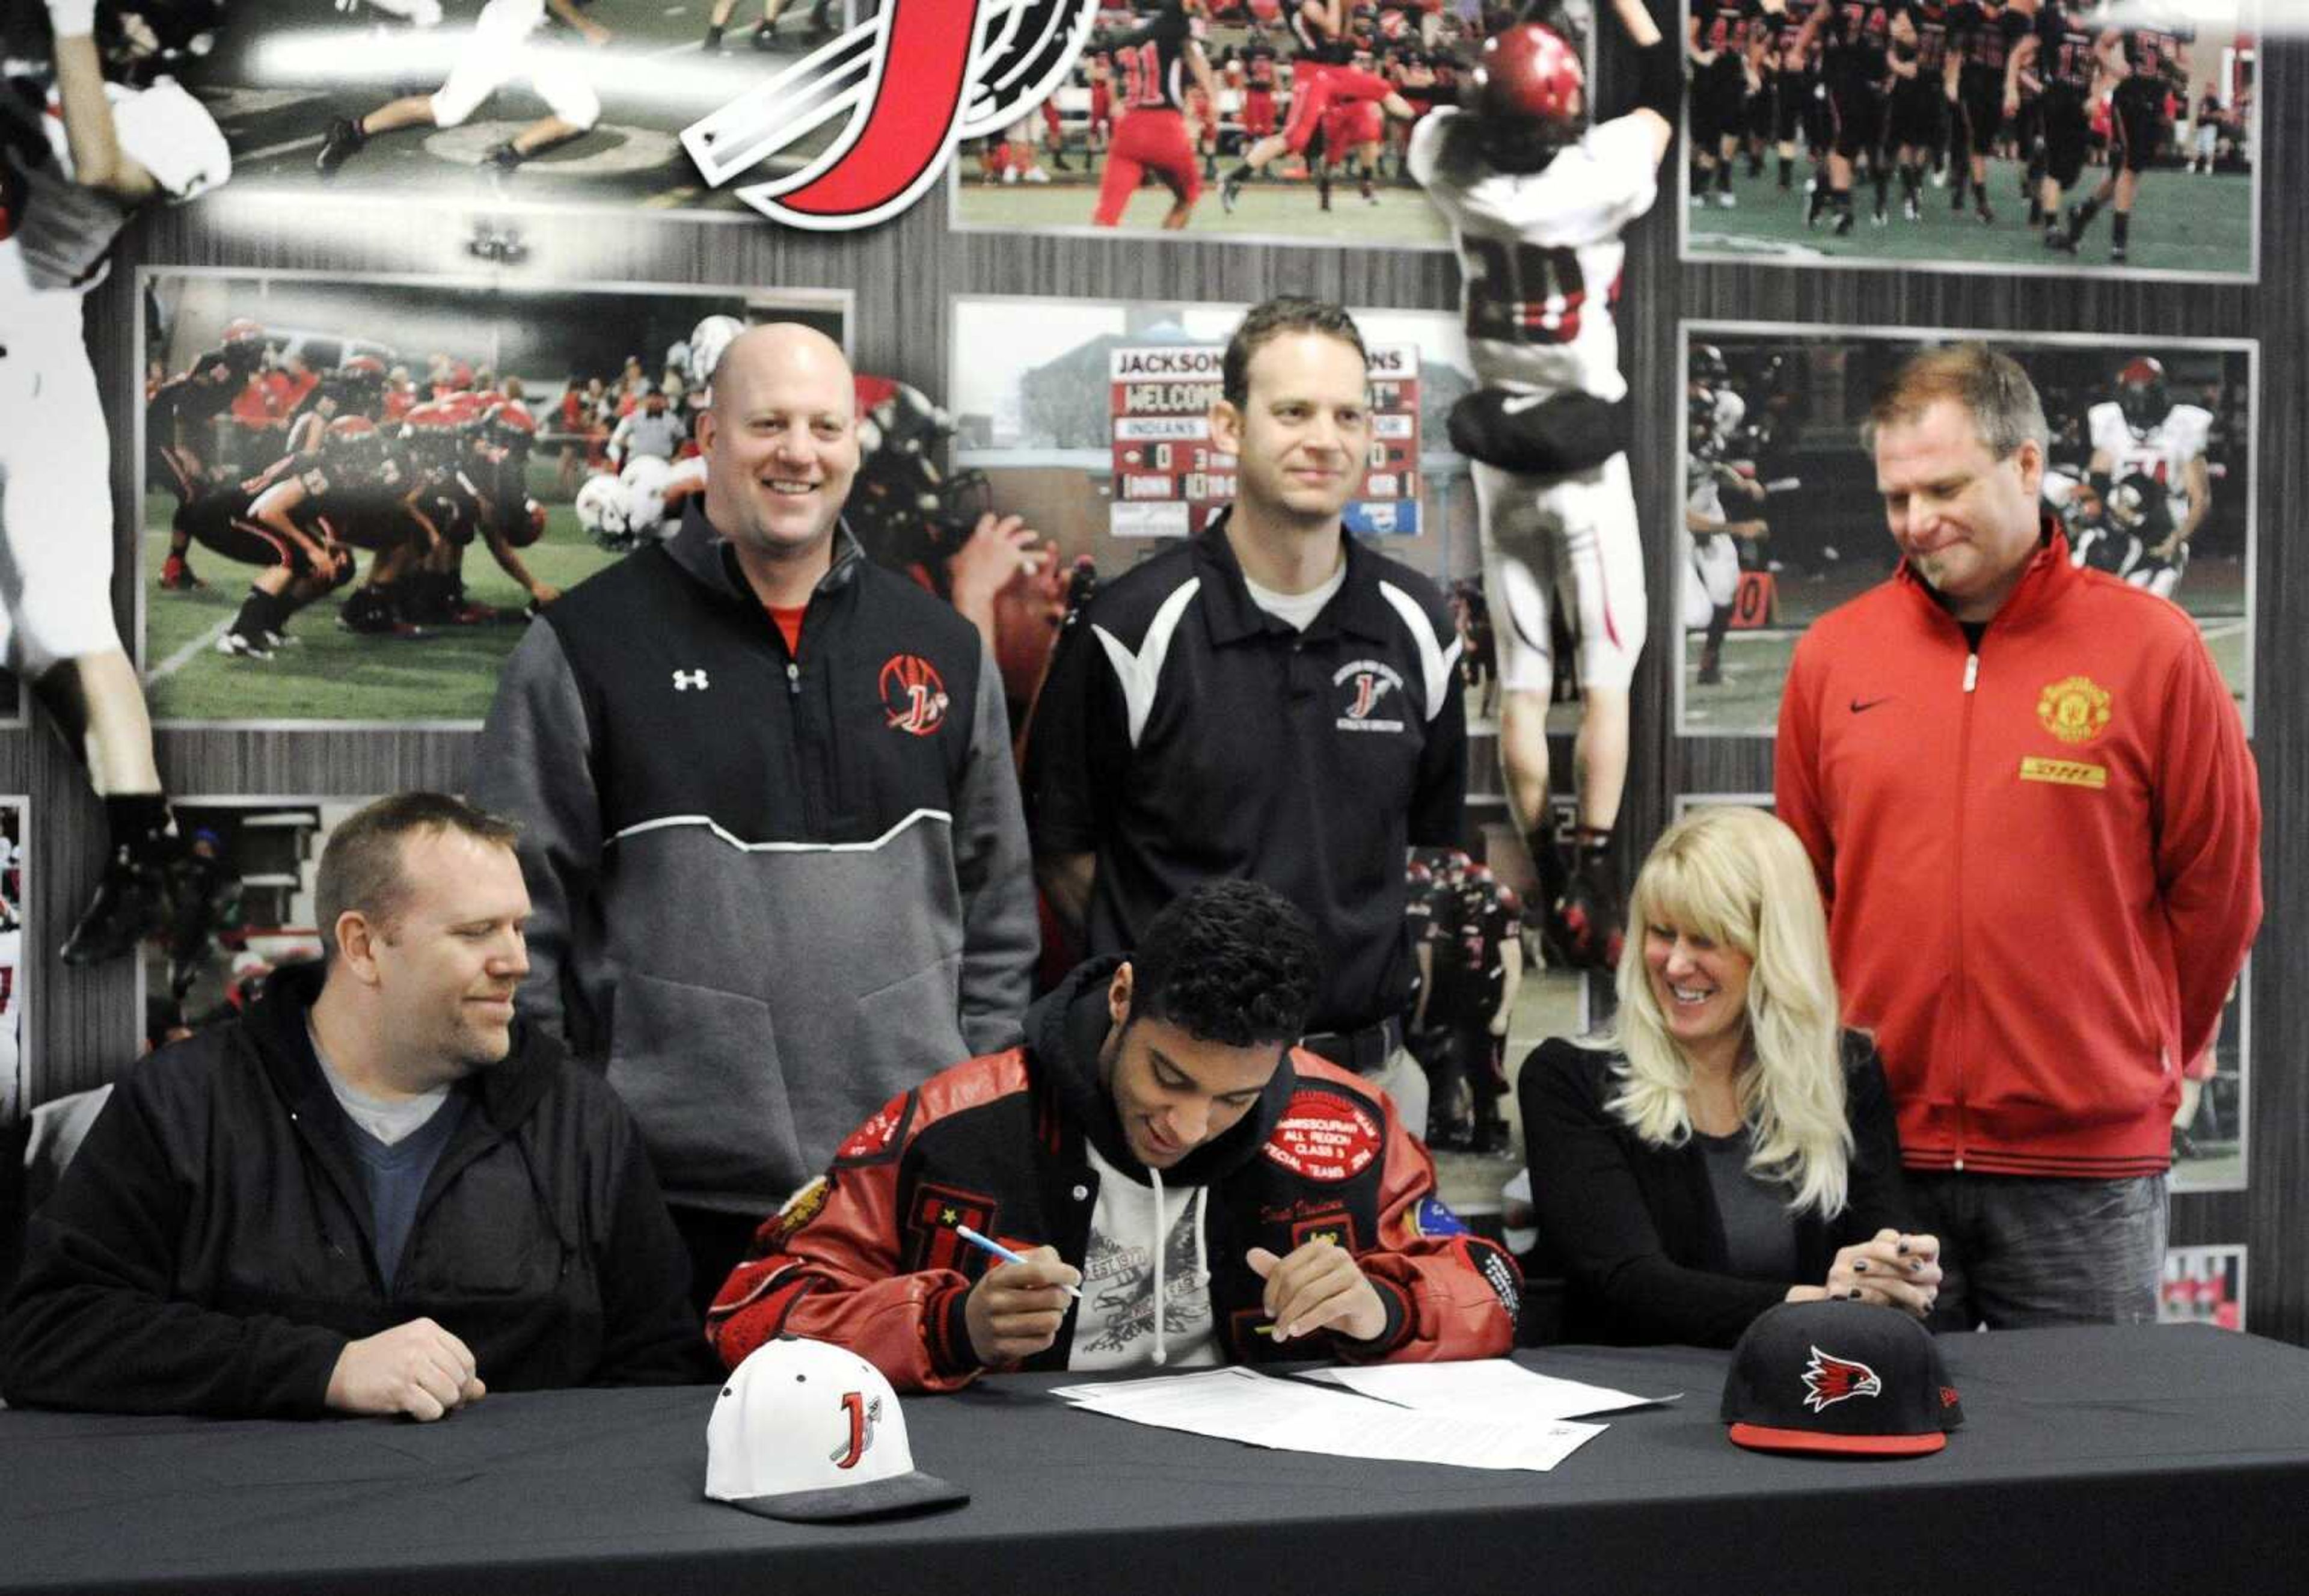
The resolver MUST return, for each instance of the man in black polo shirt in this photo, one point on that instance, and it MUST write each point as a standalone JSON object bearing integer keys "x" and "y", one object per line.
{"x": 1269, "y": 699}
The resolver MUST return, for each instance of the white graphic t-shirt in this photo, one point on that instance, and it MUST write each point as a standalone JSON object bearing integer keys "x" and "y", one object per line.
{"x": 1114, "y": 1327}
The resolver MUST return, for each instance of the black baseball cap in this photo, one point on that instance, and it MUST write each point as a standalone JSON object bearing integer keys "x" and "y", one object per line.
{"x": 1844, "y": 1377}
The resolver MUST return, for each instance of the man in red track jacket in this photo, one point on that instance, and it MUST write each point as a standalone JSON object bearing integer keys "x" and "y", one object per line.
{"x": 2030, "y": 798}
{"x": 1217, "y": 1195}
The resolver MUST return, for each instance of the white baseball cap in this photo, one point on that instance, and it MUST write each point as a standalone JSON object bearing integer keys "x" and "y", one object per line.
{"x": 806, "y": 1430}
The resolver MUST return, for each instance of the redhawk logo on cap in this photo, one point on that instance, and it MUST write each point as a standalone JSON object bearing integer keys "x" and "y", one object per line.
{"x": 1786, "y": 1392}
{"x": 1829, "y": 1378}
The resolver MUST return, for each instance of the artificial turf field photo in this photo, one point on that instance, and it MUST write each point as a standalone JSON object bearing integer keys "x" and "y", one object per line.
{"x": 327, "y": 673}
{"x": 2181, "y": 222}
{"x": 1269, "y": 209}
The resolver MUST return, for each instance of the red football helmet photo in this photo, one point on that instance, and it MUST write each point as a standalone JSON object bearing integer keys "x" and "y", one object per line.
{"x": 2142, "y": 396}
{"x": 360, "y": 453}
{"x": 1532, "y": 73}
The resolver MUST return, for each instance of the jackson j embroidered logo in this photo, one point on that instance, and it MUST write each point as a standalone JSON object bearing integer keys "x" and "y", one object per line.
{"x": 1368, "y": 684}
{"x": 865, "y": 1417}
{"x": 905, "y": 86}
{"x": 913, "y": 694}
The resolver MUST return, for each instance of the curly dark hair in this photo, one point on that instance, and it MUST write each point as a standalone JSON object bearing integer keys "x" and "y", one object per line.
{"x": 1232, "y": 962}
{"x": 1264, "y": 323}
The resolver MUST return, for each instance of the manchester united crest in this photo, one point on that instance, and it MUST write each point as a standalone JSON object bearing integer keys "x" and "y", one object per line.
{"x": 2075, "y": 709}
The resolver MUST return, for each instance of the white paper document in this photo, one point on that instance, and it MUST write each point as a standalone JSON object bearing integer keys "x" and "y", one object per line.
{"x": 1237, "y": 1404}
{"x": 1487, "y": 1388}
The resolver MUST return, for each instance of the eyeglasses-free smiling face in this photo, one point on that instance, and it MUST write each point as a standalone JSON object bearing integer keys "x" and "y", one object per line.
{"x": 1301, "y": 440}
{"x": 781, "y": 442}
{"x": 1701, "y": 987}
{"x": 1172, "y": 1090}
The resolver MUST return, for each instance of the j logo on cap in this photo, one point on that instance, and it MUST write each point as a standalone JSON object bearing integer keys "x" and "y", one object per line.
{"x": 809, "y": 1431}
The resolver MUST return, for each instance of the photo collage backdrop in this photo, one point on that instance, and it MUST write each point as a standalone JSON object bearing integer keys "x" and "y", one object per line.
{"x": 1027, "y": 360}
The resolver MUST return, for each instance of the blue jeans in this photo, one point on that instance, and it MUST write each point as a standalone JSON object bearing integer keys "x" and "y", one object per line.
{"x": 2020, "y": 1250}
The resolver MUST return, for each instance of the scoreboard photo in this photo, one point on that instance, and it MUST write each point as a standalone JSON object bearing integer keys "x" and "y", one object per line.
{"x": 1168, "y": 478}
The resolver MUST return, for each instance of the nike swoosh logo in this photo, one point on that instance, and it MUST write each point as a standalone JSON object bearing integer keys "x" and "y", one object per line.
{"x": 1861, "y": 707}
{"x": 1520, "y": 402}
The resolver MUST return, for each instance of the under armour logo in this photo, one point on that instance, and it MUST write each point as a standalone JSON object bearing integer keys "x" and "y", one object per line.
{"x": 683, "y": 681}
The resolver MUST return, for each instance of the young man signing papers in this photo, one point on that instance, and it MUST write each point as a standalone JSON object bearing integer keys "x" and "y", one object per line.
{"x": 1181, "y": 1186}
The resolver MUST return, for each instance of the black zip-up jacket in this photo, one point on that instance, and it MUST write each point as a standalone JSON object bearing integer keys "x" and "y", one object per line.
{"x": 769, "y": 889}
{"x": 209, "y": 1249}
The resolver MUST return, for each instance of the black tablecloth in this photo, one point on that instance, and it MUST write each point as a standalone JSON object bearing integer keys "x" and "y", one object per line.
{"x": 2101, "y": 1461}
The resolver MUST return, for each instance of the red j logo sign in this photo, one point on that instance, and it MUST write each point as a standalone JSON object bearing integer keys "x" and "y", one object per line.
{"x": 907, "y": 85}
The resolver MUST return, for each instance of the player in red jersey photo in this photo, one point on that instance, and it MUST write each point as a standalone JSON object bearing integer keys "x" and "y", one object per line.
{"x": 1156, "y": 65}
{"x": 1322, "y": 75}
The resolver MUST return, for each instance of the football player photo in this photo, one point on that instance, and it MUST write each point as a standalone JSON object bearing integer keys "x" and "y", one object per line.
{"x": 2149, "y": 479}
{"x": 241, "y": 907}
{"x": 1284, "y": 121}
{"x": 2209, "y": 1127}
{"x": 1487, "y": 993}
{"x": 563, "y": 103}
{"x": 2203, "y": 1285}
{"x": 356, "y": 493}
{"x": 1988, "y": 135}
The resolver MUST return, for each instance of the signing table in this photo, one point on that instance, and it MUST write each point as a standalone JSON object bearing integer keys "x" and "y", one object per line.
{"x": 2100, "y": 1460}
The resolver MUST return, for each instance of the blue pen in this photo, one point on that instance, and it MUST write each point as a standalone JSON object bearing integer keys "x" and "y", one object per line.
{"x": 1004, "y": 1253}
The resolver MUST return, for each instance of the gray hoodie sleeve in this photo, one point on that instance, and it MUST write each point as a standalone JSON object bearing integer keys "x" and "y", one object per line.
{"x": 535, "y": 767}
{"x": 999, "y": 934}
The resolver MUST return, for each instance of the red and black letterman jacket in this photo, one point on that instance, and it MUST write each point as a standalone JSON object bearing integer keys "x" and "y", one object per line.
{"x": 867, "y": 1256}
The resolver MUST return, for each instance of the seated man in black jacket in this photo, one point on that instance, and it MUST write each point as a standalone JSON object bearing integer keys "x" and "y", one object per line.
{"x": 371, "y": 1194}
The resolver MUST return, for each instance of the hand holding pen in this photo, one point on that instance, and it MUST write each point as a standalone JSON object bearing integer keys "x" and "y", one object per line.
{"x": 1015, "y": 1309}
